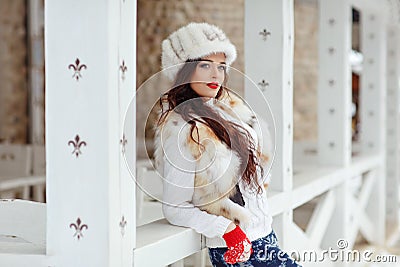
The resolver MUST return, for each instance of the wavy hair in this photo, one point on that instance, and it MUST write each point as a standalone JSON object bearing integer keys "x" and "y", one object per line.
{"x": 235, "y": 136}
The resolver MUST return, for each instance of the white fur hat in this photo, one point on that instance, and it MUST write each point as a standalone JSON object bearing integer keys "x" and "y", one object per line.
{"x": 194, "y": 41}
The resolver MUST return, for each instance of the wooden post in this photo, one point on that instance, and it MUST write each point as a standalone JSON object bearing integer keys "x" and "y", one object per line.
{"x": 36, "y": 71}
{"x": 334, "y": 105}
{"x": 269, "y": 63}
{"x": 90, "y": 78}
{"x": 373, "y": 111}
{"x": 392, "y": 133}
{"x": 334, "y": 83}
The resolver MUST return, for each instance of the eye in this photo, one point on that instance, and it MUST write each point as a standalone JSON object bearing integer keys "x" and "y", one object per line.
{"x": 222, "y": 67}
{"x": 204, "y": 65}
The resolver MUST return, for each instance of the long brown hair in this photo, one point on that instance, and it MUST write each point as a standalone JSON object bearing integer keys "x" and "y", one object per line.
{"x": 235, "y": 136}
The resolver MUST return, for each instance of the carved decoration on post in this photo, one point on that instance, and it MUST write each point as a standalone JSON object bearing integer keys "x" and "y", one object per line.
{"x": 122, "y": 224}
{"x": 263, "y": 85}
{"x": 123, "y": 143}
{"x": 123, "y": 69}
{"x": 79, "y": 227}
{"x": 77, "y": 143}
{"x": 265, "y": 33}
{"x": 77, "y": 68}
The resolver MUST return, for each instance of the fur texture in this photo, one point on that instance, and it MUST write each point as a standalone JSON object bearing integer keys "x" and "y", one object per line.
{"x": 216, "y": 165}
{"x": 194, "y": 41}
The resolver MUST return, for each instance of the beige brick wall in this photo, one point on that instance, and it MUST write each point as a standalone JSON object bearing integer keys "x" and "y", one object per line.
{"x": 305, "y": 70}
{"x": 13, "y": 85}
{"x": 157, "y": 19}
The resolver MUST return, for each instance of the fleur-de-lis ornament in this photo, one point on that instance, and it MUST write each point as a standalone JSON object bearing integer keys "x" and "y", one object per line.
{"x": 77, "y": 67}
{"x": 77, "y": 143}
{"x": 123, "y": 69}
{"x": 264, "y": 33}
{"x": 79, "y": 227}
{"x": 122, "y": 224}
{"x": 263, "y": 85}
{"x": 123, "y": 143}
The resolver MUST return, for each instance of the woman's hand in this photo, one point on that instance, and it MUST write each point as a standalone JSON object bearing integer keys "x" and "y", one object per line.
{"x": 239, "y": 246}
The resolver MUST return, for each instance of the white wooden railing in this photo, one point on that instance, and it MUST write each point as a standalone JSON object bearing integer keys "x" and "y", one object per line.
{"x": 89, "y": 218}
{"x": 22, "y": 172}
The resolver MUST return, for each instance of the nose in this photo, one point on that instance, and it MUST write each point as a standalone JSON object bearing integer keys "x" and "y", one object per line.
{"x": 215, "y": 73}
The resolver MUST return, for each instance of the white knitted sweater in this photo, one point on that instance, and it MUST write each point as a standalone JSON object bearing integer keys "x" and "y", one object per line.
{"x": 179, "y": 166}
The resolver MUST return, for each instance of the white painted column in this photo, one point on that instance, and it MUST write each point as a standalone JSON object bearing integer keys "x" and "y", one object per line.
{"x": 36, "y": 71}
{"x": 393, "y": 131}
{"x": 334, "y": 105}
{"x": 334, "y": 83}
{"x": 269, "y": 63}
{"x": 373, "y": 83}
{"x": 90, "y": 78}
{"x": 127, "y": 132}
{"x": 373, "y": 111}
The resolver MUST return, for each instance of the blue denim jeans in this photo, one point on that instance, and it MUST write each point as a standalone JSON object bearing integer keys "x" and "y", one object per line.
{"x": 266, "y": 253}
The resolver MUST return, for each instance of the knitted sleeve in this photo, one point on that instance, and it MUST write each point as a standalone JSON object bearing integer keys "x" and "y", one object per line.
{"x": 177, "y": 196}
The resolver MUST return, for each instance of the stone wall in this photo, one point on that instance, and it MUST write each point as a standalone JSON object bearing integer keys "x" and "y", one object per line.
{"x": 305, "y": 70}
{"x": 13, "y": 72}
{"x": 156, "y": 20}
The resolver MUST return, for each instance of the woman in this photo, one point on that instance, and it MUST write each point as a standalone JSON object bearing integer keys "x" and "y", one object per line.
{"x": 213, "y": 153}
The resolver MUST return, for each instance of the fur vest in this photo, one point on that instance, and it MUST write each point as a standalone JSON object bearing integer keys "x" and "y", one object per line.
{"x": 217, "y": 166}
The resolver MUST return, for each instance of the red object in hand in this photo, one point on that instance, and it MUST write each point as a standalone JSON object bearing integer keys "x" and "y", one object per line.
{"x": 239, "y": 246}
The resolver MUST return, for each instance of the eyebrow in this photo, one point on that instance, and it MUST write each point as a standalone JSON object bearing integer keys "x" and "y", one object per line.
{"x": 212, "y": 61}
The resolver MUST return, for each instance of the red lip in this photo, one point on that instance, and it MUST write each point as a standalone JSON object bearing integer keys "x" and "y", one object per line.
{"x": 213, "y": 85}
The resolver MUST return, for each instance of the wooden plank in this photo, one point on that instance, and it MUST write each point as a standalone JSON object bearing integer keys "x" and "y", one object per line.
{"x": 269, "y": 48}
{"x": 8, "y": 183}
{"x": 162, "y": 236}
{"x": 18, "y": 260}
{"x": 320, "y": 218}
{"x": 36, "y": 72}
{"x": 366, "y": 189}
{"x": 271, "y": 60}
{"x": 373, "y": 109}
{"x": 125, "y": 226}
{"x": 22, "y": 227}
{"x": 334, "y": 83}
{"x": 334, "y": 105}
{"x": 359, "y": 219}
{"x": 318, "y": 180}
{"x": 367, "y": 228}
{"x": 393, "y": 127}
{"x": 87, "y": 95}
{"x": 373, "y": 83}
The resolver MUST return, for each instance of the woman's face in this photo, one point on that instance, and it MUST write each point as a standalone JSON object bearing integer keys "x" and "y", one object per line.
{"x": 209, "y": 75}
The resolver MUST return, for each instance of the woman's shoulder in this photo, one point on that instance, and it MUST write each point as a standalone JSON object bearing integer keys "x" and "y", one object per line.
{"x": 235, "y": 106}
